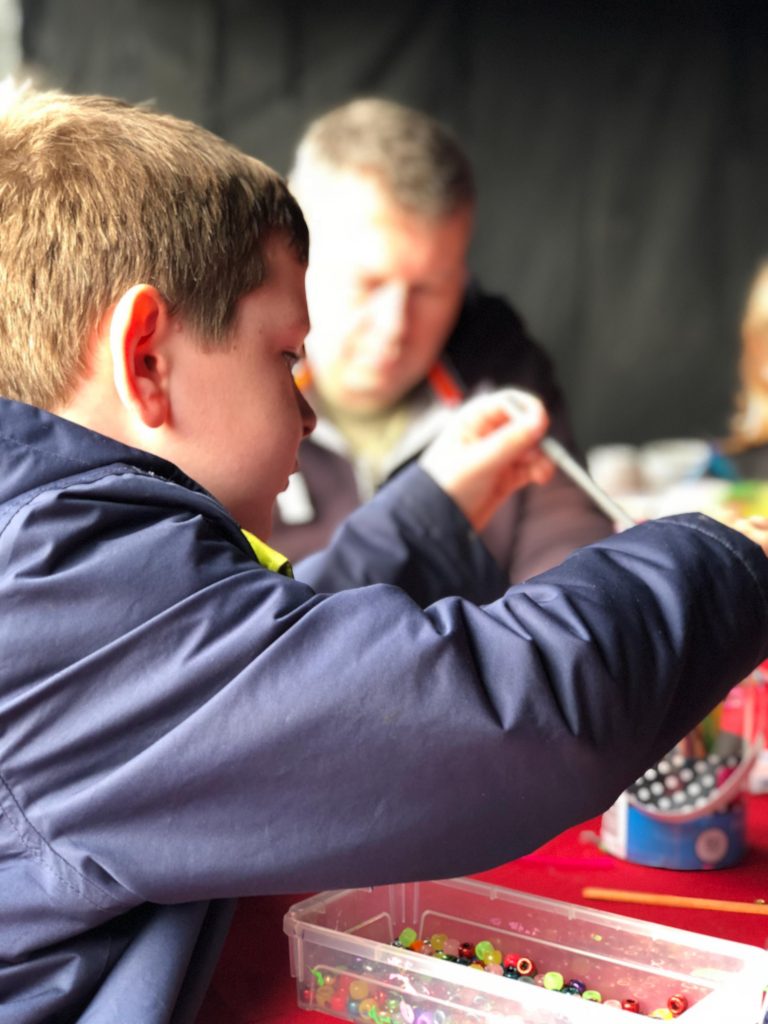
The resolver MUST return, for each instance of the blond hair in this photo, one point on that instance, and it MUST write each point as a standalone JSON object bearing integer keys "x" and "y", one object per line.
{"x": 417, "y": 159}
{"x": 749, "y": 425}
{"x": 97, "y": 195}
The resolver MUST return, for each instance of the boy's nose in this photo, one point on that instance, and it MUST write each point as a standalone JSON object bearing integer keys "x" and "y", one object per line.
{"x": 308, "y": 415}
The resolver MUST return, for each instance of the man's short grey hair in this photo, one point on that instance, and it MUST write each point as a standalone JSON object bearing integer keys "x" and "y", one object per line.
{"x": 417, "y": 159}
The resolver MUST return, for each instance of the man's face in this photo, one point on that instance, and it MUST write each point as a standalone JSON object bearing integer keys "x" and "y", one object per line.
{"x": 384, "y": 289}
{"x": 238, "y": 415}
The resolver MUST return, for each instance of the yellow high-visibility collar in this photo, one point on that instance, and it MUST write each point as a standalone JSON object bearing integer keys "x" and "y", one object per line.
{"x": 268, "y": 557}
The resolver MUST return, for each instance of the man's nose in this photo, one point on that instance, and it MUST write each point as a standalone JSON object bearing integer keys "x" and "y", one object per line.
{"x": 390, "y": 311}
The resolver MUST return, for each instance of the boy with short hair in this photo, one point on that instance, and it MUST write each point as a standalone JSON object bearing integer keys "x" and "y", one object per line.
{"x": 180, "y": 725}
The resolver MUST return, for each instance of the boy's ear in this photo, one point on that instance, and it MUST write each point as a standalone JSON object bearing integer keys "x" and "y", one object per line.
{"x": 138, "y": 330}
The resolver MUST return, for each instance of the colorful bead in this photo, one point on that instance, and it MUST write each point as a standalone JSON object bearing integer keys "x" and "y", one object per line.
{"x": 525, "y": 966}
{"x": 554, "y": 981}
{"x": 466, "y": 950}
{"x": 406, "y": 937}
{"x": 677, "y": 1004}
{"x": 631, "y": 1004}
{"x": 358, "y": 989}
{"x": 613, "y": 1002}
{"x": 493, "y": 968}
{"x": 592, "y": 995}
{"x": 324, "y": 995}
{"x": 407, "y": 1012}
{"x": 510, "y": 960}
{"x": 482, "y": 949}
{"x": 577, "y": 986}
{"x": 451, "y": 947}
{"x": 438, "y": 941}
{"x": 663, "y": 1013}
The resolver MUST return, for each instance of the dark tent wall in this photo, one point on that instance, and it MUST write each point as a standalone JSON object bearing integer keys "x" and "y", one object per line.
{"x": 621, "y": 151}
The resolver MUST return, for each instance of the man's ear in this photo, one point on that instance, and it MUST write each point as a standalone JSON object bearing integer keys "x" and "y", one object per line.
{"x": 138, "y": 329}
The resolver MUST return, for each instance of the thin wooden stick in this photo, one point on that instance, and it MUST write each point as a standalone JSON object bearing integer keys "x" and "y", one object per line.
{"x": 658, "y": 899}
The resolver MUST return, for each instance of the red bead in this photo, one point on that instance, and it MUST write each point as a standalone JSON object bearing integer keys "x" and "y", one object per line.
{"x": 526, "y": 966}
{"x": 510, "y": 960}
{"x": 339, "y": 1001}
{"x": 633, "y": 1005}
{"x": 677, "y": 1004}
{"x": 466, "y": 949}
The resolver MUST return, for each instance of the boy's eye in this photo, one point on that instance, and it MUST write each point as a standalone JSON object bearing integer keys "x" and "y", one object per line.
{"x": 292, "y": 359}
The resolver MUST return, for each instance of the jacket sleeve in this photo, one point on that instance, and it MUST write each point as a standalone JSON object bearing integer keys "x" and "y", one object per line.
{"x": 194, "y": 726}
{"x": 412, "y": 535}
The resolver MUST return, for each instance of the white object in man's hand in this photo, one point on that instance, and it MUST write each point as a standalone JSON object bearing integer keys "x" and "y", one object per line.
{"x": 488, "y": 450}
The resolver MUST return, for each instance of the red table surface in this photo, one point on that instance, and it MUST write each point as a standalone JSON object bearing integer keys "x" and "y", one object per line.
{"x": 253, "y": 982}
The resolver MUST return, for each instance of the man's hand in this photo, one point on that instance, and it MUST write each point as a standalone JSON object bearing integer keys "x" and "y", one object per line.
{"x": 489, "y": 450}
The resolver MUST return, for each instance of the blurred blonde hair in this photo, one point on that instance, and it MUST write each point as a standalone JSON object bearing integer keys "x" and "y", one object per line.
{"x": 749, "y": 425}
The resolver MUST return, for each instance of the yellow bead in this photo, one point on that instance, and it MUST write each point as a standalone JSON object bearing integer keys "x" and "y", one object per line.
{"x": 358, "y": 990}
{"x": 323, "y": 995}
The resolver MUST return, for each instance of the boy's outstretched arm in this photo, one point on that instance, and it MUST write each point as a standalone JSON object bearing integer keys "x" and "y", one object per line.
{"x": 232, "y": 732}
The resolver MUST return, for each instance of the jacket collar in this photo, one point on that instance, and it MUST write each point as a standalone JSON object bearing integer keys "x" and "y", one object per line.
{"x": 37, "y": 448}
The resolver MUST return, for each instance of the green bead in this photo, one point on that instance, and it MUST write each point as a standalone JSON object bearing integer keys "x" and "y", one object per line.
{"x": 483, "y": 949}
{"x": 590, "y": 994}
{"x": 553, "y": 980}
{"x": 407, "y": 937}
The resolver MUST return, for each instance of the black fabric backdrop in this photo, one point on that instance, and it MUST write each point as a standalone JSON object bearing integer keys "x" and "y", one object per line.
{"x": 621, "y": 151}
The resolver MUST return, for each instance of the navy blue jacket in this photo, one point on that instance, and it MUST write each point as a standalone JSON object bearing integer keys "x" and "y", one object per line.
{"x": 179, "y": 726}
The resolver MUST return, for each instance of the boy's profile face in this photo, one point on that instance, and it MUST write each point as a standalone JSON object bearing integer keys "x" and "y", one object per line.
{"x": 238, "y": 416}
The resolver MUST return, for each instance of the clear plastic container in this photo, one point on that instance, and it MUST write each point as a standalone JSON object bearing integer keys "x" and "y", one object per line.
{"x": 345, "y": 963}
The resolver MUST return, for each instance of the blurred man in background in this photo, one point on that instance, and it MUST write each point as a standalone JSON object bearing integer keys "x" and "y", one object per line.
{"x": 400, "y": 333}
